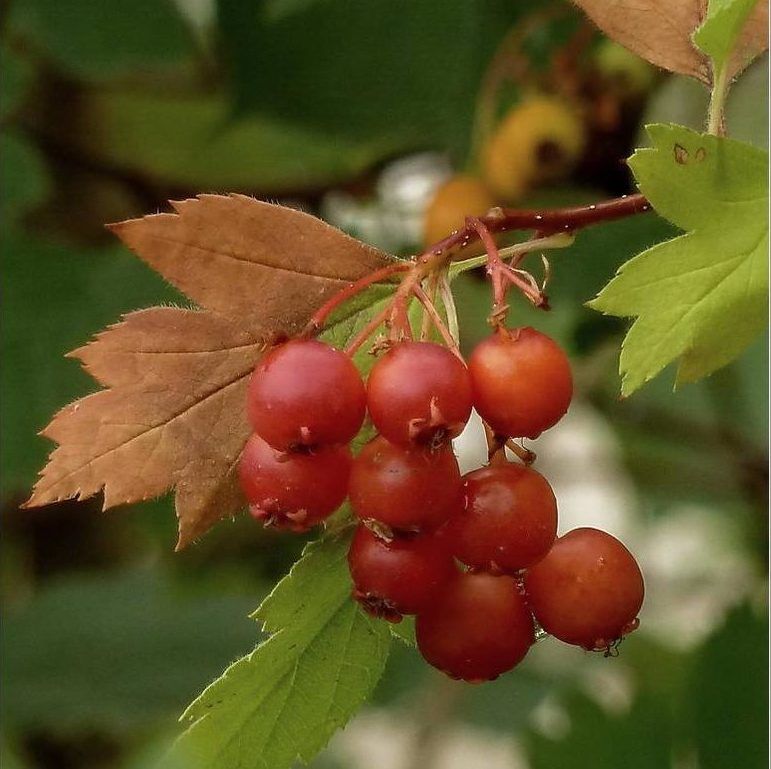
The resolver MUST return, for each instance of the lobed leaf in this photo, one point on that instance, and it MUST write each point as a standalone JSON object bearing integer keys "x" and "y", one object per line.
{"x": 266, "y": 266}
{"x": 285, "y": 699}
{"x": 701, "y": 296}
{"x": 173, "y": 418}
{"x": 174, "y": 415}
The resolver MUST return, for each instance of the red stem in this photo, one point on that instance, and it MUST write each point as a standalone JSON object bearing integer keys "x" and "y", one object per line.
{"x": 546, "y": 221}
{"x": 543, "y": 222}
{"x": 320, "y": 316}
{"x": 367, "y": 331}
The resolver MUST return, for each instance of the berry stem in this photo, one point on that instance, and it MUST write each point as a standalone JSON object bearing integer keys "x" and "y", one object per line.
{"x": 445, "y": 291}
{"x": 546, "y": 223}
{"x": 430, "y": 295}
{"x": 320, "y": 316}
{"x": 367, "y": 331}
{"x": 526, "y": 455}
{"x": 436, "y": 319}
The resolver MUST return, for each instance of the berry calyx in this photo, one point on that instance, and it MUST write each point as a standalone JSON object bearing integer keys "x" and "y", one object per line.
{"x": 457, "y": 198}
{"x": 509, "y": 520}
{"x": 539, "y": 140}
{"x": 305, "y": 393}
{"x": 521, "y": 381}
{"x": 587, "y": 591}
{"x": 400, "y": 576}
{"x": 419, "y": 392}
{"x": 293, "y": 490}
{"x": 406, "y": 489}
{"x": 478, "y": 627}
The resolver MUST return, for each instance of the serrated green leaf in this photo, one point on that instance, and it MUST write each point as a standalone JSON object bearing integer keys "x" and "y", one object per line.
{"x": 404, "y": 631}
{"x": 720, "y": 30}
{"x": 701, "y": 296}
{"x": 285, "y": 699}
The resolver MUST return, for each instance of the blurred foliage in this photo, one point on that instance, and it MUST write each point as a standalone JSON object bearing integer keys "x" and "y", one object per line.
{"x": 95, "y": 41}
{"x": 116, "y": 654}
{"x": 392, "y": 69}
{"x": 107, "y": 112}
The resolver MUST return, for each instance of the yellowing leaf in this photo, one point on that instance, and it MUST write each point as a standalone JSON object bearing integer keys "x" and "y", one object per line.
{"x": 702, "y": 296}
{"x": 174, "y": 416}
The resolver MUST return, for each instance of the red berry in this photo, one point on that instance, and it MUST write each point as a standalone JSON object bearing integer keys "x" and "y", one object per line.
{"x": 419, "y": 392}
{"x": 293, "y": 490}
{"x": 306, "y": 393}
{"x": 509, "y": 521}
{"x": 407, "y": 489}
{"x": 478, "y": 627}
{"x": 587, "y": 591}
{"x": 396, "y": 577}
{"x": 521, "y": 381}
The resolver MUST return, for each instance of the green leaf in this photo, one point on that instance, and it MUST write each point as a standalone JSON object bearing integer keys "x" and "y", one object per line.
{"x": 117, "y": 653}
{"x": 702, "y": 296}
{"x": 607, "y": 741}
{"x": 728, "y": 696}
{"x": 100, "y": 40}
{"x": 285, "y": 699}
{"x": 193, "y": 141}
{"x": 720, "y": 30}
{"x": 25, "y": 179}
{"x": 405, "y": 70}
{"x": 404, "y": 631}
{"x": 15, "y": 77}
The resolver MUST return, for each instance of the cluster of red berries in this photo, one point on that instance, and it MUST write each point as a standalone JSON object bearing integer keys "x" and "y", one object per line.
{"x": 475, "y": 557}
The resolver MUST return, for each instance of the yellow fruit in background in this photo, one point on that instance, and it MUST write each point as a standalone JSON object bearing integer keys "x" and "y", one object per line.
{"x": 539, "y": 140}
{"x": 457, "y": 198}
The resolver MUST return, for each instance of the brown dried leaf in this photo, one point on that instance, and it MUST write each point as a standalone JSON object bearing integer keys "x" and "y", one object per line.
{"x": 266, "y": 266}
{"x": 660, "y": 31}
{"x": 174, "y": 416}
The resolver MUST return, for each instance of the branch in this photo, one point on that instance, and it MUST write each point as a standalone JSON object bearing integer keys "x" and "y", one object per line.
{"x": 544, "y": 221}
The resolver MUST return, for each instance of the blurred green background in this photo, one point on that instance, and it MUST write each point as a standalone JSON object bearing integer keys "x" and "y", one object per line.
{"x": 108, "y": 110}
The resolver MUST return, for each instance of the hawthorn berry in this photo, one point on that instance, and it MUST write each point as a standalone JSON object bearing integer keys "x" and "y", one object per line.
{"x": 306, "y": 393}
{"x": 399, "y": 576}
{"x": 476, "y": 628}
{"x": 406, "y": 488}
{"x": 293, "y": 490}
{"x": 538, "y": 140}
{"x": 521, "y": 382}
{"x": 587, "y": 591}
{"x": 508, "y": 522}
{"x": 419, "y": 392}
{"x": 457, "y": 198}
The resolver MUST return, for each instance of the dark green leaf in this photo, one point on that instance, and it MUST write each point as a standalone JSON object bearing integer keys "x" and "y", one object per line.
{"x": 119, "y": 653}
{"x": 728, "y": 696}
{"x": 104, "y": 39}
